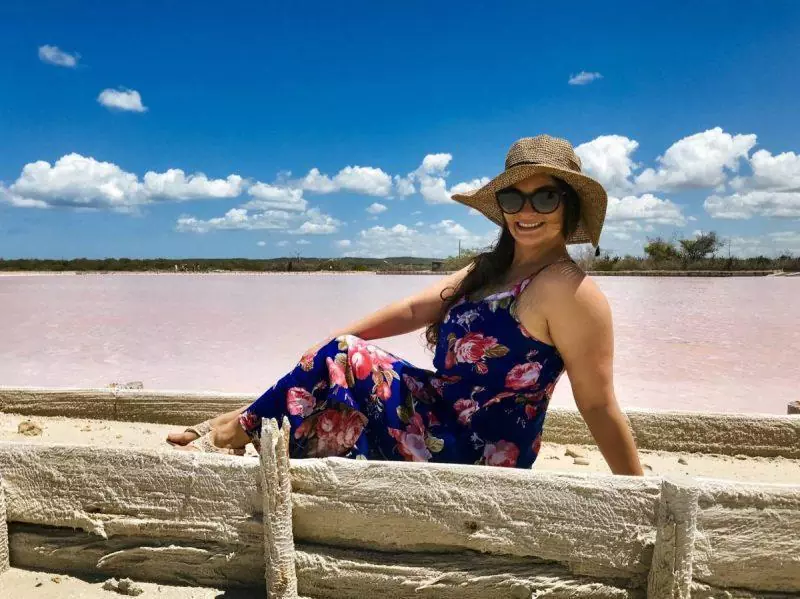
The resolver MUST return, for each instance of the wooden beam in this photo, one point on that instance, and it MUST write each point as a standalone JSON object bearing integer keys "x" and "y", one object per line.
{"x": 671, "y": 571}
{"x": 748, "y": 536}
{"x": 108, "y": 492}
{"x": 145, "y": 558}
{"x": 729, "y": 434}
{"x": 601, "y": 525}
{"x": 331, "y": 573}
{"x": 763, "y": 435}
{"x": 4, "y": 564}
{"x": 280, "y": 573}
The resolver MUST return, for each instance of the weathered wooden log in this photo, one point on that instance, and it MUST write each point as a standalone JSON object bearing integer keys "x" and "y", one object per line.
{"x": 280, "y": 573}
{"x": 601, "y": 525}
{"x": 174, "y": 494}
{"x": 331, "y": 573}
{"x": 728, "y": 434}
{"x": 705, "y": 591}
{"x": 671, "y": 571}
{"x": 748, "y": 536}
{"x": 762, "y": 435}
{"x": 145, "y": 558}
{"x": 4, "y": 564}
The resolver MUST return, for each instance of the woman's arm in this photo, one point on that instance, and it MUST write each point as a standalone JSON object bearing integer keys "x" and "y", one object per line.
{"x": 406, "y": 315}
{"x": 579, "y": 321}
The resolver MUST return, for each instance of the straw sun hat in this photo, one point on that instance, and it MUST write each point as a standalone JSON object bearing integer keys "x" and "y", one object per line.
{"x": 552, "y": 156}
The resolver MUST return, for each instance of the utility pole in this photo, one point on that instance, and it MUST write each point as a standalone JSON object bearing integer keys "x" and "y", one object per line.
{"x": 459, "y": 248}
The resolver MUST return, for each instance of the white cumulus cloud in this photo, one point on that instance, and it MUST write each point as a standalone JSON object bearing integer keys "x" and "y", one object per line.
{"x": 76, "y": 181}
{"x": 358, "y": 179}
{"x": 236, "y": 219}
{"x": 747, "y": 204}
{"x": 175, "y": 185}
{"x": 122, "y": 99}
{"x": 318, "y": 223}
{"x": 58, "y": 57}
{"x": 608, "y": 158}
{"x": 584, "y": 78}
{"x": 376, "y": 208}
{"x": 696, "y": 161}
{"x": 645, "y": 208}
{"x": 81, "y": 182}
{"x": 273, "y": 197}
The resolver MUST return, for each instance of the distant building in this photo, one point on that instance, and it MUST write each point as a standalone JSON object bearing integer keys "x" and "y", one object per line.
{"x": 437, "y": 264}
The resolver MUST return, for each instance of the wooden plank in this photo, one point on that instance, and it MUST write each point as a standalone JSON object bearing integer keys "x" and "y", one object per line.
{"x": 729, "y": 434}
{"x": 126, "y": 405}
{"x": 671, "y": 571}
{"x": 280, "y": 573}
{"x": 4, "y": 564}
{"x": 331, "y": 573}
{"x": 144, "y": 558}
{"x": 134, "y": 492}
{"x": 763, "y": 435}
{"x": 748, "y": 535}
{"x": 600, "y": 525}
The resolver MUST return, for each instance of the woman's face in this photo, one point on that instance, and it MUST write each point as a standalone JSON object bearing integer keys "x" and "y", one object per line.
{"x": 530, "y": 228}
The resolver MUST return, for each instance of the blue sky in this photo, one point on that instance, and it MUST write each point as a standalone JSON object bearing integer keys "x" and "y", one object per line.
{"x": 263, "y": 129}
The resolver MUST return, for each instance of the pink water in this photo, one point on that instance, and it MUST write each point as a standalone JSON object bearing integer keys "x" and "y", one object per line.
{"x": 730, "y": 345}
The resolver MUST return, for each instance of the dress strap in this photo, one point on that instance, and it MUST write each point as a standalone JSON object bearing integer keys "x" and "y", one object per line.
{"x": 520, "y": 287}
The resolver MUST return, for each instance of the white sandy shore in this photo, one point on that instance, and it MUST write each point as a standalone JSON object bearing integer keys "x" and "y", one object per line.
{"x": 106, "y": 433}
{"x": 29, "y": 584}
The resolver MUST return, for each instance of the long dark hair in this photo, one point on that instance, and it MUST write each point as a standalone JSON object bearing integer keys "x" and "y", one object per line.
{"x": 489, "y": 268}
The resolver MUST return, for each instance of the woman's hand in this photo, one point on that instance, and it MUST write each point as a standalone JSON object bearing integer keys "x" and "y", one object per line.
{"x": 578, "y": 320}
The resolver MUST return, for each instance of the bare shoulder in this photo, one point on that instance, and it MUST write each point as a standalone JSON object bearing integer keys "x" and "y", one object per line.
{"x": 565, "y": 291}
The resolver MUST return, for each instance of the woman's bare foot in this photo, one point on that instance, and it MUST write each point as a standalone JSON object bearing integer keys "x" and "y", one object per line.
{"x": 185, "y": 437}
{"x": 230, "y": 436}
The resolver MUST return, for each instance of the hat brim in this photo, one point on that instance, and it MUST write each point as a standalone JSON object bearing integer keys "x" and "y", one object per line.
{"x": 592, "y": 195}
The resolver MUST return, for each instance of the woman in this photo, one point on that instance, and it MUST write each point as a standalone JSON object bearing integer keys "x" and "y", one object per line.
{"x": 503, "y": 329}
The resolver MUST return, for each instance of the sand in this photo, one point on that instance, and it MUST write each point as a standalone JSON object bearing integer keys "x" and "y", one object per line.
{"x": 27, "y": 584}
{"x": 105, "y": 433}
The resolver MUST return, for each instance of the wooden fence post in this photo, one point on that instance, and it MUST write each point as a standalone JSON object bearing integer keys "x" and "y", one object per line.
{"x": 3, "y": 530}
{"x": 793, "y": 407}
{"x": 276, "y": 483}
{"x": 671, "y": 570}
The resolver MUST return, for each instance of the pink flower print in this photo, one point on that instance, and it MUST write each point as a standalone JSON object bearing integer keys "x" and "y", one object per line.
{"x": 337, "y": 432}
{"x": 523, "y": 375}
{"x": 336, "y": 373}
{"x": 351, "y": 425}
{"x": 502, "y": 453}
{"x": 360, "y": 361}
{"x": 531, "y": 411}
{"x": 384, "y": 391}
{"x": 499, "y": 397}
{"x": 381, "y": 359}
{"x": 250, "y": 423}
{"x": 411, "y": 442}
{"x": 472, "y": 347}
{"x": 481, "y": 368}
{"x": 299, "y": 402}
{"x": 465, "y": 408}
{"x": 414, "y": 385}
{"x": 433, "y": 419}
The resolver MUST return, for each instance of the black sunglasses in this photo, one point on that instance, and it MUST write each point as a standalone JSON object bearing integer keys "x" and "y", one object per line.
{"x": 544, "y": 200}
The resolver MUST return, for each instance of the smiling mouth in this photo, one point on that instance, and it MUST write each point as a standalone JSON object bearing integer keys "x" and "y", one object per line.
{"x": 529, "y": 226}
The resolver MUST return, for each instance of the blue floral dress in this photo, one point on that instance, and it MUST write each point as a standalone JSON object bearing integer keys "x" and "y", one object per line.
{"x": 485, "y": 403}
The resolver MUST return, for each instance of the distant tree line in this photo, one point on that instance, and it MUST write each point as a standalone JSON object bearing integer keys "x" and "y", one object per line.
{"x": 700, "y": 252}
{"x": 286, "y": 264}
